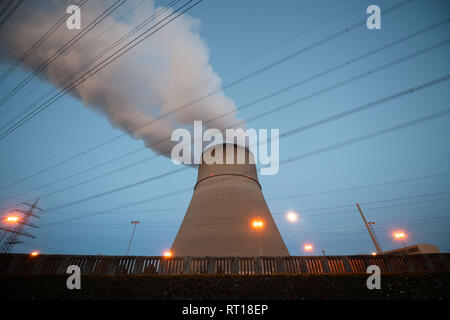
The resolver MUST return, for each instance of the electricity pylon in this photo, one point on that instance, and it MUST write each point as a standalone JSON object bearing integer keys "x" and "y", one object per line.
{"x": 14, "y": 234}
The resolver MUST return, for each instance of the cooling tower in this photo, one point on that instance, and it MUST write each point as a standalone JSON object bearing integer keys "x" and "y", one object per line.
{"x": 226, "y": 202}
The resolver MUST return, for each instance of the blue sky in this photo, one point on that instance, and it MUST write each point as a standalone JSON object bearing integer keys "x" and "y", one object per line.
{"x": 411, "y": 163}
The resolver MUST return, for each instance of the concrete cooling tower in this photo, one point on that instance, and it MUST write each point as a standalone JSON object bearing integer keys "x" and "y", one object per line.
{"x": 228, "y": 215}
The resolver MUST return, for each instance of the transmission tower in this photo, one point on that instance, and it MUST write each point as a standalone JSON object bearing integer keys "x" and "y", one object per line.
{"x": 13, "y": 237}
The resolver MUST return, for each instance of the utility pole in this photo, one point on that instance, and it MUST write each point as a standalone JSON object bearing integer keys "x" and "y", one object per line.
{"x": 14, "y": 234}
{"x": 135, "y": 224}
{"x": 372, "y": 234}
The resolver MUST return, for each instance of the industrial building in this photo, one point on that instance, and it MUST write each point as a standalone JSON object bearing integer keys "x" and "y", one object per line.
{"x": 415, "y": 249}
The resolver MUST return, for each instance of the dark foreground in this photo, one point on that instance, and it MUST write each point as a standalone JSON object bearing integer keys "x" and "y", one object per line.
{"x": 432, "y": 285}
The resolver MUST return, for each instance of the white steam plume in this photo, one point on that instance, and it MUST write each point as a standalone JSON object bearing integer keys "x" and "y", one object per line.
{"x": 141, "y": 85}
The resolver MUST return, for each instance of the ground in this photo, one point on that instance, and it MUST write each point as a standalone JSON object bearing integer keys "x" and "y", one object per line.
{"x": 394, "y": 286}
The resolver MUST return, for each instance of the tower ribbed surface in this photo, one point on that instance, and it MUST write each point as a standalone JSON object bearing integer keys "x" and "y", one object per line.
{"x": 227, "y": 199}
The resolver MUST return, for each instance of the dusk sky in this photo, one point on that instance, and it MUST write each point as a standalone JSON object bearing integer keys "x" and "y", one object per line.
{"x": 401, "y": 178}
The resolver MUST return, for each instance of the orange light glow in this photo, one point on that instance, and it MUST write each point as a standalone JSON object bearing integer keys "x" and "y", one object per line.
{"x": 12, "y": 218}
{"x": 167, "y": 254}
{"x": 308, "y": 247}
{"x": 374, "y": 253}
{"x": 399, "y": 235}
{"x": 257, "y": 224}
{"x": 34, "y": 253}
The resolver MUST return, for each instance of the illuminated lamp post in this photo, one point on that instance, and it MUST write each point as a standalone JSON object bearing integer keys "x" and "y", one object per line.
{"x": 9, "y": 219}
{"x": 257, "y": 225}
{"x": 400, "y": 236}
{"x": 308, "y": 247}
{"x": 167, "y": 254}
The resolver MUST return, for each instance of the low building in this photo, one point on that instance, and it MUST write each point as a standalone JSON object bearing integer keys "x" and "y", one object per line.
{"x": 415, "y": 249}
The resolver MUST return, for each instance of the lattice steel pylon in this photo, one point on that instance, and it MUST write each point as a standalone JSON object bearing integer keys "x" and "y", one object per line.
{"x": 13, "y": 237}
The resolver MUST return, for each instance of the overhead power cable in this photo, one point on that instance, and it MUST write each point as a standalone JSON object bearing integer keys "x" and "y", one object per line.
{"x": 338, "y": 116}
{"x": 265, "y": 97}
{"x": 296, "y": 36}
{"x": 63, "y": 49}
{"x": 37, "y": 43}
{"x": 246, "y": 77}
{"x": 403, "y": 125}
{"x": 62, "y": 85}
{"x": 301, "y": 211}
{"x": 91, "y": 72}
{"x": 8, "y": 12}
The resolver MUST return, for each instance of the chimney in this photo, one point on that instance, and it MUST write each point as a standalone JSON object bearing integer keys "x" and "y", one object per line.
{"x": 226, "y": 212}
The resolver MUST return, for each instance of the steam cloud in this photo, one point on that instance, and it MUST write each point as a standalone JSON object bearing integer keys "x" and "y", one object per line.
{"x": 143, "y": 84}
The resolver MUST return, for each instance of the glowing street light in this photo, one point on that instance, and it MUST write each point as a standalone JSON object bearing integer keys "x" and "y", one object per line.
{"x": 400, "y": 235}
{"x": 258, "y": 224}
{"x": 34, "y": 253}
{"x": 12, "y": 219}
{"x": 292, "y": 216}
{"x": 308, "y": 247}
{"x": 374, "y": 253}
{"x": 167, "y": 254}
{"x": 9, "y": 219}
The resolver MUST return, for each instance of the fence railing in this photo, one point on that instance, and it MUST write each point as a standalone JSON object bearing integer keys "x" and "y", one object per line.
{"x": 133, "y": 265}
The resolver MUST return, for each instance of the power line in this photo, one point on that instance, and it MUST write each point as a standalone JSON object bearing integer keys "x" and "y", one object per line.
{"x": 317, "y": 193}
{"x": 363, "y": 173}
{"x": 264, "y": 52}
{"x": 300, "y": 129}
{"x": 63, "y": 49}
{"x": 95, "y": 147}
{"x": 365, "y": 186}
{"x": 358, "y": 77}
{"x": 289, "y": 160}
{"x": 55, "y": 69}
{"x": 296, "y": 36}
{"x": 371, "y": 135}
{"x": 285, "y": 89}
{"x": 64, "y": 83}
{"x": 37, "y": 43}
{"x": 87, "y": 75}
{"x": 363, "y": 107}
{"x": 283, "y": 213}
{"x": 248, "y": 76}
{"x": 11, "y": 11}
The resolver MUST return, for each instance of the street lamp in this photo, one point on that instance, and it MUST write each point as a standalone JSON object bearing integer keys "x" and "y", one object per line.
{"x": 400, "y": 235}
{"x": 34, "y": 253}
{"x": 258, "y": 224}
{"x": 10, "y": 219}
{"x": 308, "y": 247}
{"x": 135, "y": 224}
{"x": 167, "y": 254}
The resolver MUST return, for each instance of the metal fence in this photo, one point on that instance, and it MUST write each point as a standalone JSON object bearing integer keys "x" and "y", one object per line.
{"x": 128, "y": 265}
